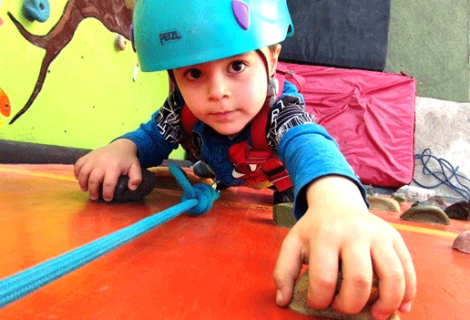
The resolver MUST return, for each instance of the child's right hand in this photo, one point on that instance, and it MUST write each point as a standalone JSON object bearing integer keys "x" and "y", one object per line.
{"x": 105, "y": 165}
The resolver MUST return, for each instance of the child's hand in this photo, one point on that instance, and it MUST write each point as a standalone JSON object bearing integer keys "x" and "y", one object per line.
{"x": 105, "y": 165}
{"x": 337, "y": 226}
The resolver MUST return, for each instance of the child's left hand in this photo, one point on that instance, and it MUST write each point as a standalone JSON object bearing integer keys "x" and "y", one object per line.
{"x": 338, "y": 227}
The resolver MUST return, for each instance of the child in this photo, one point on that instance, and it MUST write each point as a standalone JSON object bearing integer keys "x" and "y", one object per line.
{"x": 222, "y": 56}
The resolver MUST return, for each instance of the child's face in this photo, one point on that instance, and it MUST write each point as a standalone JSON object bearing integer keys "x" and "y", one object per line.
{"x": 226, "y": 94}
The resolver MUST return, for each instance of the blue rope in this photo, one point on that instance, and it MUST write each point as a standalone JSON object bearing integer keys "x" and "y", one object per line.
{"x": 24, "y": 282}
{"x": 444, "y": 176}
{"x": 204, "y": 193}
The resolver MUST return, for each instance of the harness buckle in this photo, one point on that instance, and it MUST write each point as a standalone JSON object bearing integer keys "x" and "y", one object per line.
{"x": 277, "y": 174}
{"x": 257, "y": 156}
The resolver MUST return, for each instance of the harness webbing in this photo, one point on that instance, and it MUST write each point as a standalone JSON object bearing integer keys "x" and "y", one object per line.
{"x": 259, "y": 153}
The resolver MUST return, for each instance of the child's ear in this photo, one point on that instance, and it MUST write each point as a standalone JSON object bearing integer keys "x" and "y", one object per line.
{"x": 274, "y": 56}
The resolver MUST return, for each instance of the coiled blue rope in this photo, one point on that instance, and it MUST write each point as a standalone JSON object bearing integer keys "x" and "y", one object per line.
{"x": 196, "y": 200}
{"x": 447, "y": 175}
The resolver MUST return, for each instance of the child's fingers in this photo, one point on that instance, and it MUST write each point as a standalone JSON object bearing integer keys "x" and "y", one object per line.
{"x": 83, "y": 173}
{"x": 410, "y": 276}
{"x": 391, "y": 281}
{"x": 94, "y": 182}
{"x": 78, "y": 166}
{"x": 287, "y": 270}
{"x": 323, "y": 276}
{"x": 135, "y": 177}
{"x": 357, "y": 275}
{"x": 109, "y": 184}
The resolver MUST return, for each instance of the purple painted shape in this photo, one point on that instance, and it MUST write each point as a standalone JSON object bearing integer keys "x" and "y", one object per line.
{"x": 241, "y": 11}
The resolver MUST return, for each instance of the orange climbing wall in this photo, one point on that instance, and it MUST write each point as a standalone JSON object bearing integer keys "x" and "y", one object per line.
{"x": 217, "y": 266}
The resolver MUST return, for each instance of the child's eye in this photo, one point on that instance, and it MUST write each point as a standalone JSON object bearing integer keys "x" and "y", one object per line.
{"x": 237, "y": 66}
{"x": 193, "y": 74}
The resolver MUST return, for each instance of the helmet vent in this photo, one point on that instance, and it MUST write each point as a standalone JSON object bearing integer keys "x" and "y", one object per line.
{"x": 241, "y": 11}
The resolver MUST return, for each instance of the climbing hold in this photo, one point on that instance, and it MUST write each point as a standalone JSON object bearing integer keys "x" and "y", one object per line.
{"x": 5, "y": 107}
{"x": 459, "y": 210}
{"x": 283, "y": 214}
{"x": 36, "y": 10}
{"x": 370, "y": 190}
{"x": 435, "y": 201}
{"x": 203, "y": 170}
{"x": 426, "y": 213}
{"x": 462, "y": 242}
{"x": 383, "y": 204}
{"x": 399, "y": 197}
{"x": 299, "y": 302}
{"x": 130, "y": 4}
{"x": 119, "y": 42}
{"x": 122, "y": 192}
{"x": 413, "y": 193}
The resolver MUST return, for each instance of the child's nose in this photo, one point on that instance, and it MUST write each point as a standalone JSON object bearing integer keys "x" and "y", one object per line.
{"x": 217, "y": 88}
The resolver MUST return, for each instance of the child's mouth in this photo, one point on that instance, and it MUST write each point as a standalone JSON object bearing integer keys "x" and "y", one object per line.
{"x": 223, "y": 116}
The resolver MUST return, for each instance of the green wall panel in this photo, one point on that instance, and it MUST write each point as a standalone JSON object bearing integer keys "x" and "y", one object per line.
{"x": 88, "y": 96}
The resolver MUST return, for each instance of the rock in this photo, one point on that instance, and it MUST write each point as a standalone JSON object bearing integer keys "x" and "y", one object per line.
{"x": 414, "y": 194}
{"x": 283, "y": 214}
{"x": 462, "y": 242}
{"x": 436, "y": 201}
{"x": 426, "y": 213}
{"x": 122, "y": 192}
{"x": 459, "y": 210}
{"x": 370, "y": 190}
{"x": 119, "y": 42}
{"x": 399, "y": 197}
{"x": 38, "y": 10}
{"x": 383, "y": 204}
{"x": 299, "y": 302}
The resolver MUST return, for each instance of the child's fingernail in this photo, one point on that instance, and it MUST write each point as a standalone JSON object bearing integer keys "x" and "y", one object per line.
{"x": 406, "y": 307}
{"x": 381, "y": 316}
{"x": 279, "y": 296}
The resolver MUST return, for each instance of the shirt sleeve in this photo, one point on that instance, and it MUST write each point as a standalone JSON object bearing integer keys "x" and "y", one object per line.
{"x": 305, "y": 148}
{"x": 161, "y": 134}
{"x": 308, "y": 153}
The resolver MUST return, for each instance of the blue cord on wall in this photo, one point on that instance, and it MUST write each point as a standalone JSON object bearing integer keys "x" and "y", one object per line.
{"x": 196, "y": 200}
{"x": 446, "y": 174}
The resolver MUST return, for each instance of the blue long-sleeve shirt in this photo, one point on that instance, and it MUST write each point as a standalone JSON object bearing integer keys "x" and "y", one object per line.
{"x": 307, "y": 151}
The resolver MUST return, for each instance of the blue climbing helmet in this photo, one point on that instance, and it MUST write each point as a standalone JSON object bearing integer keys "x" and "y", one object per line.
{"x": 174, "y": 34}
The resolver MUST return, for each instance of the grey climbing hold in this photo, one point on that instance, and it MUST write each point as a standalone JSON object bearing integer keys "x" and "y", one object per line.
{"x": 462, "y": 242}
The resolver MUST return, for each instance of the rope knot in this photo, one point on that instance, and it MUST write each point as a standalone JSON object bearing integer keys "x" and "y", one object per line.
{"x": 203, "y": 193}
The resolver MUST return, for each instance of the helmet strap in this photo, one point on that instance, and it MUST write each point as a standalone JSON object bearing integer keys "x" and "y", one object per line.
{"x": 273, "y": 88}
{"x": 273, "y": 83}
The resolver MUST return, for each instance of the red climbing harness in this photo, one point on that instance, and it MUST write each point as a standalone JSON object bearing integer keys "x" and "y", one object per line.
{"x": 257, "y": 164}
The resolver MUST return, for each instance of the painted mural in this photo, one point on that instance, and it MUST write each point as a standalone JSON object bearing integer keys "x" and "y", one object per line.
{"x": 113, "y": 14}
{"x": 69, "y": 77}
